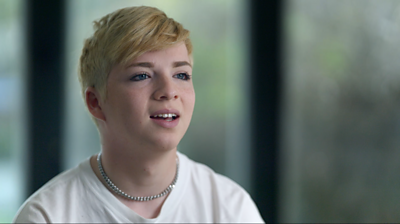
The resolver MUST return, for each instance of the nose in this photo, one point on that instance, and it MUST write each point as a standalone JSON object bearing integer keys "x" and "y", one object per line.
{"x": 165, "y": 89}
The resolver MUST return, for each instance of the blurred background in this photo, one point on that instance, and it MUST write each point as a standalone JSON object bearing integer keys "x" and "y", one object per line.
{"x": 325, "y": 73}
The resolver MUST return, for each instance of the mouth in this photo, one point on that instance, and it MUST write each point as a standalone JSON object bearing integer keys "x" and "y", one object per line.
{"x": 166, "y": 117}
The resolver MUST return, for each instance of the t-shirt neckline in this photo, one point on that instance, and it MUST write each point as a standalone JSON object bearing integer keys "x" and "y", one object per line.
{"x": 109, "y": 200}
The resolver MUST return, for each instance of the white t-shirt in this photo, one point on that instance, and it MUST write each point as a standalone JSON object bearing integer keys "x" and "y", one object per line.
{"x": 200, "y": 195}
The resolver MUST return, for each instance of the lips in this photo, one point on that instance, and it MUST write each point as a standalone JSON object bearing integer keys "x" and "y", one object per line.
{"x": 167, "y": 118}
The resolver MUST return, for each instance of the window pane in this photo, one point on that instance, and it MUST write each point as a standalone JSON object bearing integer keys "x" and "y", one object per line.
{"x": 12, "y": 137}
{"x": 218, "y": 132}
{"x": 342, "y": 113}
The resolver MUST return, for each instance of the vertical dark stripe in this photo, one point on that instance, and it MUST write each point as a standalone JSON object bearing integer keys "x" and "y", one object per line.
{"x": 45, "y": 71}
{"x": 265, "y": 98}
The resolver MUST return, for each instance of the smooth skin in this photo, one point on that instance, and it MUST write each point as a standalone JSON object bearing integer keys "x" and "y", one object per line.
{"x": 138, "y": 153}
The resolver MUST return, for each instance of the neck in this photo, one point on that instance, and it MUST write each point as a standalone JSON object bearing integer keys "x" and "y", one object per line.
{"x": 138, "y": 174}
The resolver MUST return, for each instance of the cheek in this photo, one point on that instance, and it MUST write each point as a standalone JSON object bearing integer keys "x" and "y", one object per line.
{"x": 135, "y": 105}
{"x": 190, "y": 99}
{"x": 128, "y": 103}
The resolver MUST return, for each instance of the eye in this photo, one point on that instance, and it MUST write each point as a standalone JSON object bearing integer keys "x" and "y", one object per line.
{"x": 140, "y": 77}
{"x": 183, "y": 76}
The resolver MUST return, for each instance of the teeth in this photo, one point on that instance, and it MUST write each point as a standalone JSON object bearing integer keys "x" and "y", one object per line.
{"x": 166, "y": 115}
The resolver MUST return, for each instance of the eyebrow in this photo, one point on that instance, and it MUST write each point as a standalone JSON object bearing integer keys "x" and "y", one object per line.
{"x": 151, "y": 65}
{"x": 181, "y": 63}
{"x": 142, "y": 64}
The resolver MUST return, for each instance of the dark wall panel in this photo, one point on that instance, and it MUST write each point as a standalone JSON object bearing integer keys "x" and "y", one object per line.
{"x": 265, "y": 18}
{"x": 45, "y": 71}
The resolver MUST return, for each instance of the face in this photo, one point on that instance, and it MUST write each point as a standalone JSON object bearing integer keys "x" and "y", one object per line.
{"x": 150, "y": 101}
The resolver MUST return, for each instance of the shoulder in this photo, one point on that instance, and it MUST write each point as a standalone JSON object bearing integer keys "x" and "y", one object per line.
{"x": 210, "y": 181}
{"x": 51, "y": 198}
{"x": 229, "y": 201}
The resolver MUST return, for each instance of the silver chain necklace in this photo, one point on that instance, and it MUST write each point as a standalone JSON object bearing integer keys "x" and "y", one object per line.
{"x": 116, "y": 190}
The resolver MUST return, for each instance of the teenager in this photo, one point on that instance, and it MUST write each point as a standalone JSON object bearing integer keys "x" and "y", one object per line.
{"x": 135, "y": 73}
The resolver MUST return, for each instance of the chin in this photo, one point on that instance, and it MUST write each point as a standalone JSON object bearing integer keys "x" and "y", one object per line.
{"x": 166, "y": 143}
{"x": 166, "y": 140}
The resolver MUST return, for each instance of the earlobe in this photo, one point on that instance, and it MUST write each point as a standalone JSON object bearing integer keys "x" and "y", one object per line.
{"x": 92, "y": 98}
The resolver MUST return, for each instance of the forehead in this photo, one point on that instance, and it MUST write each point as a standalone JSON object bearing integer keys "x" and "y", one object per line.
{"x": 173, "y": 53}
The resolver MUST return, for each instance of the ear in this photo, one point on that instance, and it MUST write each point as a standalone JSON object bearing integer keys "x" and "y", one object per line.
{"x": 92, "y": 98}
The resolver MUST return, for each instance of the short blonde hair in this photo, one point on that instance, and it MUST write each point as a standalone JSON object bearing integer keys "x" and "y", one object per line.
{"x": 122, "y": 36}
